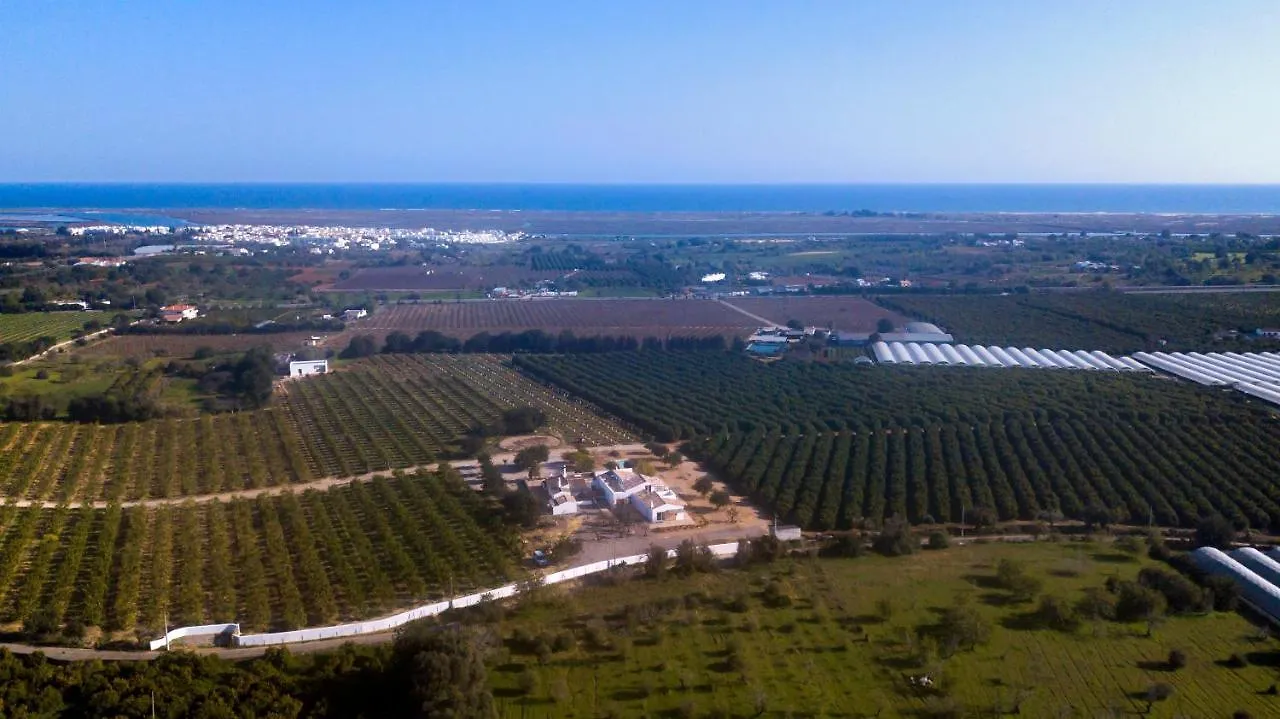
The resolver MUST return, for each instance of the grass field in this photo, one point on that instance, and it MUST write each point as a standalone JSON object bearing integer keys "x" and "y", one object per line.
{"x": 34, "y": 325}
{"x": 853, "y": 633}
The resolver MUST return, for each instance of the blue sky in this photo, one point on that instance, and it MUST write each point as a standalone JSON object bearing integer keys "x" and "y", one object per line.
{"x": 643, "y": 91}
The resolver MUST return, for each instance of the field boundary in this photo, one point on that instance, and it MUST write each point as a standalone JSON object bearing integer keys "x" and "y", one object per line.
{"x": 386, "y": 624}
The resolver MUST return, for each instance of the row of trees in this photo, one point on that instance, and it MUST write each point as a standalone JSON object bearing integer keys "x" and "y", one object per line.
{"x": 1018, "y": 468}
{"x": 272, "y": 562}
{"x": 528, "y": 341}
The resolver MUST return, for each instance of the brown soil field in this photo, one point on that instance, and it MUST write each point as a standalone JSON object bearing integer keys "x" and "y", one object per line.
{"x": 635, "y": 318}
{"x": 851, "y": 314}
{"x": 182, "y": 346}
{"x": 320, "y": 277}
{"x": 456, "y": 277}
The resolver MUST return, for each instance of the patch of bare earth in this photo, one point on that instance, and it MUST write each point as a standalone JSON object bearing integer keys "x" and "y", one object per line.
{"x": 515, "y": 444}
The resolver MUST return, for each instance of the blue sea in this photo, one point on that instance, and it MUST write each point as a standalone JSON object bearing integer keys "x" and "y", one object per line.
{"x": 1208, "y": 199}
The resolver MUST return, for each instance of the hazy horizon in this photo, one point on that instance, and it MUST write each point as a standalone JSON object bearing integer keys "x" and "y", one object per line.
{"x": 924, "y": 92}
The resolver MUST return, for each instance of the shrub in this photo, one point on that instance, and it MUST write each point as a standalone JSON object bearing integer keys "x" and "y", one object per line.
{"x": 1096, "y": 604}
{"x": 1224, "y": 593}
{"x": 896, "y": 539}
{"x": 1177, "y": 659}
{"x": 1129, "y": 544}
{"x": 939, "y": 540}
{"x": 1181, "y": 595}
{"x": 1235, "y": 661}
{"x": 1134, "y": 602}
{"x": 1057, "y": 613}
{"x": 1013, "y": 577}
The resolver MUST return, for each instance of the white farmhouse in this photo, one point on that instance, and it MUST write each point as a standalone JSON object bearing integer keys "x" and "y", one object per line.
{"x": 302, "y": 368}
{"x": 354, "y": 314}
{"x": 656, "y": 502}
{"x": 560, "y": 499}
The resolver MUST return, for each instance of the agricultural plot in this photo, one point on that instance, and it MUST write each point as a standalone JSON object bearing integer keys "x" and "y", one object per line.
{"x": 274, "y": 562}
{"x": 31, "y": 326}
{"x": 404, "y": 410}
{"x": 1112, "y": 322}
{"x": 385, "y": 412}
{"x": 843, "y": 636}
{"x": 847, "y": 314}
{"x": 831, "y": 446}
{"x": 185, "y": 346}
{"x": 57, "y": 461}
{"x": 635, "y": 318}
{"x": 444, "y": 277}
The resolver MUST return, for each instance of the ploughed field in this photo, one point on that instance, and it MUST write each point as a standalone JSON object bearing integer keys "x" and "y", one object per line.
{"x": 837, "y": 446}
{"x": 633, "y": 318}
{"x": 441, "y": 278}
{"x": 283, "y": 562}
{"x": 30, "y": 326}
{"x": 848, "y": 314}
{"x": 380, "y": 413}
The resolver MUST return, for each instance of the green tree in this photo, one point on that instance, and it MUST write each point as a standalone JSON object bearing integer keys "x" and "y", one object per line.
{"x": 704, "y": 485}
{"x": 720, "y": 499}
{"x": 1215, "y": 531}
{"x": 531, "y": 458}
{"x": 443, "y": 672}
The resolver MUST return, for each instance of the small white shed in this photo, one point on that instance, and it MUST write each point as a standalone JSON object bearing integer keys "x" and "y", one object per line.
{"x": 308, "y": 367}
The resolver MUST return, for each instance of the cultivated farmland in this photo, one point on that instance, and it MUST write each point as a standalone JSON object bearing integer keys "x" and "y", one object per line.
{"x": 635, "y": 318}
{"x": 834, "y": 445}
{"x": 1108, "y": 321}
{"x": 143, "y": 346}
{"x": 272, "y": 562}
{"x": 382, "y": 413}
{"x": 441, "y": 278}
{"x": 34, "y": 325}
{"x": 848, "y": 314}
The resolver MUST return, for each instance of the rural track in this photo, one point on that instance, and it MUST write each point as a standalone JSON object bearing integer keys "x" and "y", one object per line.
{"x": 323, "y": 484}
{"x": 757, "y": 318}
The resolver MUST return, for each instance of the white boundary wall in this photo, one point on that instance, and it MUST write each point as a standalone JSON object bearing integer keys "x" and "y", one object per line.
{"x": 386, "y": 624}
{"x": 204, "y": 630}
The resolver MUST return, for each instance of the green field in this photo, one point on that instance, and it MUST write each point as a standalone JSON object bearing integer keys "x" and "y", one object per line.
{"x": 677, "y": 647}
{"x": 34, "y": 325}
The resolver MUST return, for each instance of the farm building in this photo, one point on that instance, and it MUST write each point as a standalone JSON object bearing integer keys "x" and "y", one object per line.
{"x": 1255, "y": 373}
{"x": 1258, "y": 593}
{"x": 979, "y": 356}
{"x": 178, "y": 313}
{"x": 304, "y": 368}
{"x": 849, "y": 339}
{"x": 918, "y": 332}
{"x": 560, "y": 498}
{"x": 786, "y": 533}
{"x": 355, "y": 314}
{"x": 651, "y": 498}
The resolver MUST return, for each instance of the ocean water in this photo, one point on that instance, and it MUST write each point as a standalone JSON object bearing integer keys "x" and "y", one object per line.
{"x": 1210, "y": 199}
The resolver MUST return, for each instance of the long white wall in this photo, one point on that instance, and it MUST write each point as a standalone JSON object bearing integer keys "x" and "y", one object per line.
{"x": 386, "y": 624}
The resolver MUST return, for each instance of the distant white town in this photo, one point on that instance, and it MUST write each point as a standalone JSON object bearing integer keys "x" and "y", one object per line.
{"x": 319, "y": 238}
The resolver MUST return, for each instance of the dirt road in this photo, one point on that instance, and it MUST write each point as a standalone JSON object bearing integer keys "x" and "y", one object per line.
{"x": 319, "y": 484}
